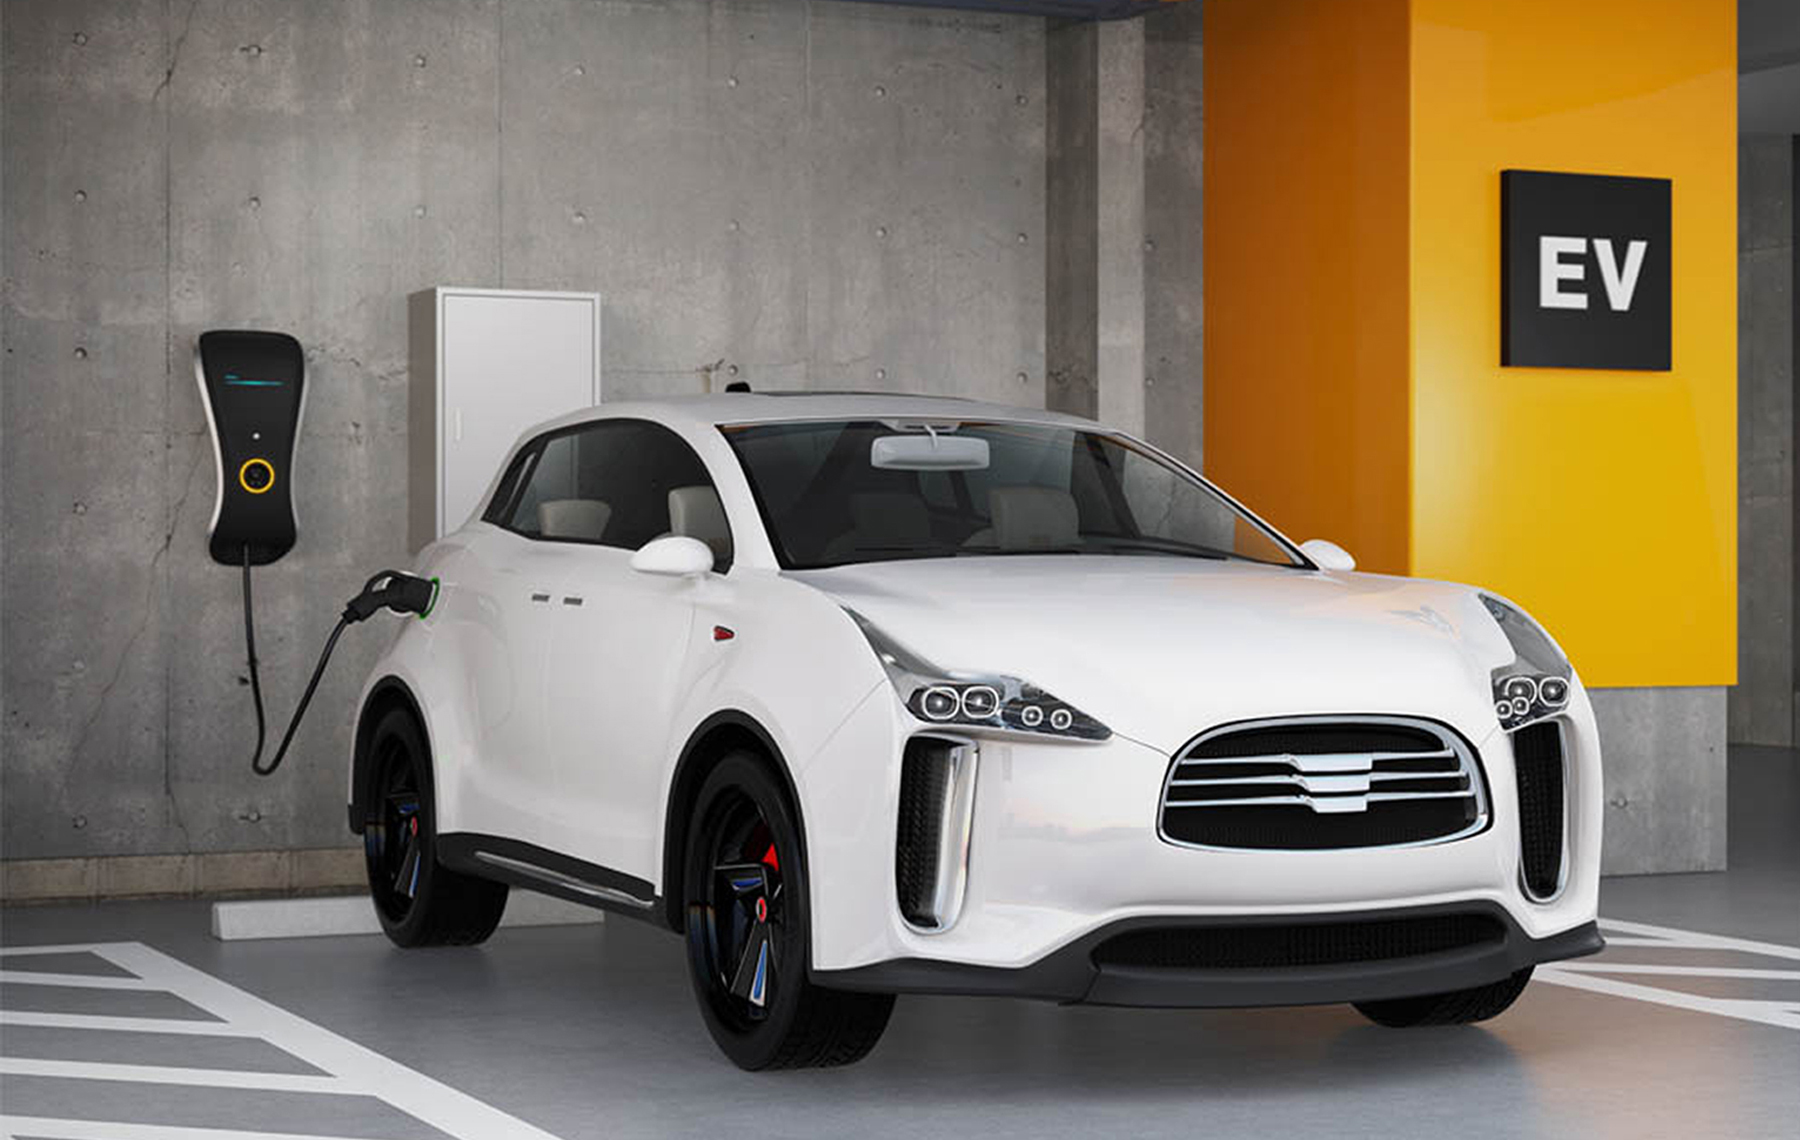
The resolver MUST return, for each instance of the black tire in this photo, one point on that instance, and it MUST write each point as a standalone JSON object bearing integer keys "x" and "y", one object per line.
{"x": 1458, "y": 1007}
{"x": 419, "y": 902}
{"x": 749, "y": 931}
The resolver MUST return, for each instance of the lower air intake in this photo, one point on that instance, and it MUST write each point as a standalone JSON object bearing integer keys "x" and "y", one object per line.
{"x": 1273, "y": 946}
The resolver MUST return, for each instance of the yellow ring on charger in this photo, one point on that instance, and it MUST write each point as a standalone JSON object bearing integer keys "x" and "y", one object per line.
{"x": 245, "y": 483}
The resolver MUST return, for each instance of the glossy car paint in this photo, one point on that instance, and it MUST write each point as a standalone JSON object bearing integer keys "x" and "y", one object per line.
{"x": 561, "y": 724}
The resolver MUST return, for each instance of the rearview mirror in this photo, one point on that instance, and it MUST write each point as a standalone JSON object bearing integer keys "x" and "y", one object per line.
{"x": 1327, "y": 555}
{"x": 674, "y": 556}
{"x": 924, "y": 451}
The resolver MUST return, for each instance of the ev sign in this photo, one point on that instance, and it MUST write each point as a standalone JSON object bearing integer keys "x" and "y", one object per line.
{"x": 1584, "y": 271}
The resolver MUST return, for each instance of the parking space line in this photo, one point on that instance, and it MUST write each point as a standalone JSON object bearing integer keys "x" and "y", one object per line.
{"x": 1591, "y": 974}
{"x": 176, "y": 1075}
{"x": 1649, "y": 935}
{"x": 1766, "y": 1012}
{"x": 44, "y": 1128}
{"x": 46, "y": 948}
{"x": 190, "y": 1026}
{"x": 349, "y": 1069}
{"x": 1679, "y": 971}
{"x": 84, "y": 981}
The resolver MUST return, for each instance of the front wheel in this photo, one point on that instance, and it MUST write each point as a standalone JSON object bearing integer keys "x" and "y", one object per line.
{"x": 749, "y": 931}
{"x": 1458, "y": 1007}
{"x": 419, "y": 901}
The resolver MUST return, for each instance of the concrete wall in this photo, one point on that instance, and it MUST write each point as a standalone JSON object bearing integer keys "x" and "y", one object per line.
{"x": 1072, "y": 212}
{"x": 1764, "y": 705}
{"x": 1174, "y": 292}
{"x": 1663, "y": 751}
{"x": 794, "y": 194}
{"x": 1123, "y": 177}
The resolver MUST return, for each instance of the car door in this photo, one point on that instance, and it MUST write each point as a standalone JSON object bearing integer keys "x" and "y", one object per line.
{"x": 521, "y": 564}
{"x": 618, "y": 656}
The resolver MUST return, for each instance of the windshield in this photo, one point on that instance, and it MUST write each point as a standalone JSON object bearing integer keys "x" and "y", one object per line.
{"x": 838, "y": 492}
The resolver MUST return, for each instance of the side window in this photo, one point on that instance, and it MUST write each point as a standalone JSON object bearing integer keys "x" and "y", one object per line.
{"x": 620, "y": 483}
{"x": 544, "y": 506}
{"x": 499, "y": 511}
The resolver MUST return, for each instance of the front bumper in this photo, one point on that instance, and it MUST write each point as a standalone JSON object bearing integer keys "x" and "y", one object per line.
{"x": 1063, "y": 851}
{"x": 1078, "y": 973}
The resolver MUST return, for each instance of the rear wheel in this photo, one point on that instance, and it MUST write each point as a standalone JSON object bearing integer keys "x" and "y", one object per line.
{"x": 749, "y": 932}
{"x": 419, "y": 902}
{"x": 1458, "y": 1007}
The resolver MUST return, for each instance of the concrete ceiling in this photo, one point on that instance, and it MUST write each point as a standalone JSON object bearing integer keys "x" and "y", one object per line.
{"x": 1768, "y": 47}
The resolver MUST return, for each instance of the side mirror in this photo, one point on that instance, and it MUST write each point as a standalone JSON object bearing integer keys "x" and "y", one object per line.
{"x": 674, "y": 556}
{"x": 1328, "y": 555}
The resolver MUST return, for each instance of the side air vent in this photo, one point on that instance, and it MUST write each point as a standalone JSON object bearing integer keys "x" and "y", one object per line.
{"x": 931, "y": 848}
{"x": 1538, "y": 759}
{"x": 1324, "y": 783}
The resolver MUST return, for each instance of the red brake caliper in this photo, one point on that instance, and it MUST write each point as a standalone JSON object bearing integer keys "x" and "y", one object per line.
{"x": 770, "y": 861}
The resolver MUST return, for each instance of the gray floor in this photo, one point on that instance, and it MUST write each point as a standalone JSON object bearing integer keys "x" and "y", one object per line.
{"x": 590, "y": 1032}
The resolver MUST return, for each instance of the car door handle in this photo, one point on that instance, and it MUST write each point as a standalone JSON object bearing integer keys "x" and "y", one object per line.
{"x": 539, "y": 597}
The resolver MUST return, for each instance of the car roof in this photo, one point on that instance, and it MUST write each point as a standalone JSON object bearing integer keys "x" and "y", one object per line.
{"x": 784, "y": 407}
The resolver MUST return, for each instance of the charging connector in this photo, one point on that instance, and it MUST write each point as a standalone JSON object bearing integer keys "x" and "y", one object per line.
{"x": 390, "y": 589}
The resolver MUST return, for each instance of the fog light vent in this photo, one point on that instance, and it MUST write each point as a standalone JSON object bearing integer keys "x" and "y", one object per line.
{"x": 931, "y": 849}
{"x": 1538, "y": 759}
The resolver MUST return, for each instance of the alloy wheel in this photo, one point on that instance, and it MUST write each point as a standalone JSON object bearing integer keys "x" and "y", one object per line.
{"x": 392, "y": 839}
{"x": 740, "y": 915}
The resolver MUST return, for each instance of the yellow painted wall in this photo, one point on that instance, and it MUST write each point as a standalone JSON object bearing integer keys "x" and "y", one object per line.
{"x": 1604, "y": 502}
{"x": 1353, "y": 387}
{"x": 1306, "y": 264}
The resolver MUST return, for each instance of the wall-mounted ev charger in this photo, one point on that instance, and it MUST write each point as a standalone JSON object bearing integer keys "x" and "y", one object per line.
{"x": 253, "y": 385}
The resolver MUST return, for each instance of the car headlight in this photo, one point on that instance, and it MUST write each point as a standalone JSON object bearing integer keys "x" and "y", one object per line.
{"x": 975, "y": 700}
{"x": 1536, "y": 684}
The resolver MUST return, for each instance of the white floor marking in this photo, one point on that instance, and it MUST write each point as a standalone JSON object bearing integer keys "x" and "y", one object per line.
{"x": 46, "y": 948}
{"x": 83, "y": 981}
{"x": 175, "y": 1075}
{"x": 1591, "y": 974}
{"x": 189, "y": 1026}
{"x": 1581, "y": 967}
{"x": 1766, "y": 1012}
{"x": 48, "y": 1129}
{"x": 1669, "y": 936}
{"x": 349, "y": 1068}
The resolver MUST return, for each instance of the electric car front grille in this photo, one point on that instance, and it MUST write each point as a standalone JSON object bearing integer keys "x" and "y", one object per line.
{"x": 1538, "y": 760}
{"x": 1276, "y": 945}
{"x": 1311, "y": 784}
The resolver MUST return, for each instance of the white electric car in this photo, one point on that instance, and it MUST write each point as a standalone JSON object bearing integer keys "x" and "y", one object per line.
{"x": 878, "y": 694}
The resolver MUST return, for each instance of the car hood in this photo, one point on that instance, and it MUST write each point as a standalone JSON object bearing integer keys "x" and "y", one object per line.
{"x": 1160, "y": 648}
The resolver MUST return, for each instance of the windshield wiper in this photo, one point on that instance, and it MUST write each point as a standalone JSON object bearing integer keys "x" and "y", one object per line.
{"x": 1000, "y": 552}
{"x": 1108, "y": 546}
{"x": 1178, "y": 549}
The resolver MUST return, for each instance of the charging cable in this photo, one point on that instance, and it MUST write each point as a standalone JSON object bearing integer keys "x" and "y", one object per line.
{"x": 390, "y": 589}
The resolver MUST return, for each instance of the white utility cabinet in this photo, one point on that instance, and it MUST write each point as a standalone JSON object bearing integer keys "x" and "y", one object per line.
{"x": 485, "y": 365}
